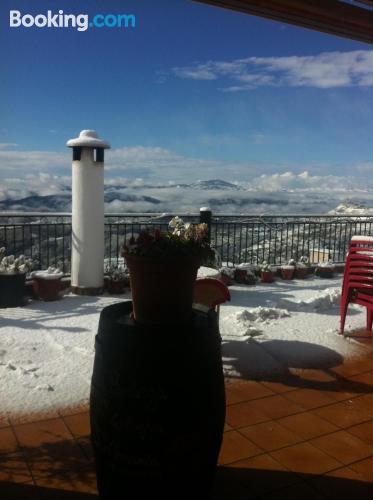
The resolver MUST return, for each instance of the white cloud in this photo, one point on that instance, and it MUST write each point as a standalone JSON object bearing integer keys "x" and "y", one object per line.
{"x": 325, "y": 70}
{"x": 197, "y": 73}
{"x": 161, "y": 164}
{"x": 161, "y": 174}
{"x": 286, "y": 192}
{"x": 7, "y": 145}
{"x": 304, "y": 181}
{"x": 24, "y": 162}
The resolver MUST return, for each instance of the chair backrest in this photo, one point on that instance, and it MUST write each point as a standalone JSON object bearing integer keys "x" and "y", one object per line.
{"x": 357, "y": 240}
{"x": 210, "y": 292}
{"x": 360, "y": 253}
{"x": 361, "y": 247}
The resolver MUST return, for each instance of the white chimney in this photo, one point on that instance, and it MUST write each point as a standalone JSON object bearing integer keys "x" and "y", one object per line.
{"x": 88, "y": 238}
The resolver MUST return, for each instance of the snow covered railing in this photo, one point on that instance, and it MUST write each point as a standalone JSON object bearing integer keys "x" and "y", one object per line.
{"x": 237, "y": 238}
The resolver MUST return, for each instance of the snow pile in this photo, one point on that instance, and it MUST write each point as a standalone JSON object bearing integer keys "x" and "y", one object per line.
{"x": 248, "y": 322}
{"x": 321, "y": 301}
{"x": 261, "y": 314}
{"x": 286, "y": 324}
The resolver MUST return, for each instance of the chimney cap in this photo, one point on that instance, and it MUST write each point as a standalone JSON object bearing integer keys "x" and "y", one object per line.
{"x": 88, "y": 139}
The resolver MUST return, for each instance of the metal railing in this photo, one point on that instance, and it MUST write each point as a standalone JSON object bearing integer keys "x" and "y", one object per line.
{"x": 236, "y": 238}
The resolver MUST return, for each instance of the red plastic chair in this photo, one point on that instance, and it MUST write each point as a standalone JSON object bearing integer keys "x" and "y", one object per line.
{"x": 357, "y": 284}
{"x": 210, "y": 292}
{"x": 359, "y": 255}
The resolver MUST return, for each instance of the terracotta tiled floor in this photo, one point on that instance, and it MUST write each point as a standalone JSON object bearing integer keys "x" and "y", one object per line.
{"x": 309, "y": 436}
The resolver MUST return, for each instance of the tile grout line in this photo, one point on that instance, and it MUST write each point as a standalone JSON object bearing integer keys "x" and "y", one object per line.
{"x": 21, "y": 449}
{"x": 76, "y": 440}
{"x": 301, "y": 439}
{"x": 309, "y": 410}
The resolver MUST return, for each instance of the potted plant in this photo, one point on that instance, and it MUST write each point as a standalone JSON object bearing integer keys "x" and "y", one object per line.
{"x": 12, "y": 278}
{"x": 245, "y": 274}
{"x": 287, "y": 271}
{"x": 163, "y": 267}
{"x": 226, "y": 275}
{"x": 116, "y": 277}
{"x": 48, "y": 283}
{"x": 266, "y": 273}
{"x": 302, "y": 267}
{"x": 325, "y": 269}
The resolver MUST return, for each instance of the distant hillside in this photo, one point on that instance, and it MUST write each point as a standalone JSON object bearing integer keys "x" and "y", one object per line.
{"x": 221, "y": 196}
{"x": 51, "y": 203}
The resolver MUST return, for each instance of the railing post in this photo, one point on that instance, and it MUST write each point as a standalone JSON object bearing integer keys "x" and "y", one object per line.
{"x": 205, "y": 216}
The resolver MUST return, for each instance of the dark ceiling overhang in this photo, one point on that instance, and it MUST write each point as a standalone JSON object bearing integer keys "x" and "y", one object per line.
{"x": 336, "y": 17}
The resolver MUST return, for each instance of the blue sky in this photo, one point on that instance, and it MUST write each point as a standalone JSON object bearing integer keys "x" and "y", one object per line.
{"x": 190, "y": 85}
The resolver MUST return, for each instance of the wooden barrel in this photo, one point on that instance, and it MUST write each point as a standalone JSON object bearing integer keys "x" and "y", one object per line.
{"x": 157, "y": 406}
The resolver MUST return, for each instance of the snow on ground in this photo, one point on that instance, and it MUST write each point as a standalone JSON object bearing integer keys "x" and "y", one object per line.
{"x": 286, "y": 324}
{"x": 47, "y": 348}
{"x": 46, "y": 353}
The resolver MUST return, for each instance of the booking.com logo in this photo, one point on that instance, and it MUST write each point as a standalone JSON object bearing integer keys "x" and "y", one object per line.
{"x": 61, "y": 20}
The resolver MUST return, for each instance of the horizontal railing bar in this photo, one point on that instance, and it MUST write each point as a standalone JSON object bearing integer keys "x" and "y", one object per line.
{"x": 169, "y": 214}
{"x": 35, "y": 214}
{"x": 300, "y": 216}
{"x": 115, "y": 214}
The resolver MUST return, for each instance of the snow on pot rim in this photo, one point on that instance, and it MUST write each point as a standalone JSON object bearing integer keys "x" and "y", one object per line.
{"x": 325, "y": 265}
{"x": 45, "y": 275}
{"x": 208, "y": 272}
{"x": 287, "y": 267}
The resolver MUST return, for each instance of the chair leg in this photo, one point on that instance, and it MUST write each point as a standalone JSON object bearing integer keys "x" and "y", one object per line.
{"x": 344, "y": 307}
{"x": 369, "y": 319}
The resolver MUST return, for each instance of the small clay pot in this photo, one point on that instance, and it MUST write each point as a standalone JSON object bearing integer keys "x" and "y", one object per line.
{"x": 116, "y": 286}
{"x": 227, "y": 280}
{"x": 301, "y": 272}
{"x": 287, "y": 272}
{"x": 266, "y": 276}
{"x": 48, "y": 289}
{"x": 240, "y": 275}
{"x": 325, "y": 271}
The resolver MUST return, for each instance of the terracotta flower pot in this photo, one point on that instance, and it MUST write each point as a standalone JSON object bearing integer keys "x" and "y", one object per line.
{"x": 12, "y": 289}
{"x": 301, "y": 272}
{"x": 266, "y": 276}
{"x": 48, "y": 289}
{"x": 287, "y": 272}
{"x": 162, "y": 288}
{"x": 224, "y": 278}
{"x": 47, "y": 285}
{"x": 116, "y": 286}
{"x": 240, "y": 275}
{"x": 325, "y": 271}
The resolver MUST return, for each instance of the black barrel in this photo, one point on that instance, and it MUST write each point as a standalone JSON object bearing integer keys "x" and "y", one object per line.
{"x": 157, "y": 406}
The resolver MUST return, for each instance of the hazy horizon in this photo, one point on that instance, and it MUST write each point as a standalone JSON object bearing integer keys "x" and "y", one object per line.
{"x": 193, "y": 92}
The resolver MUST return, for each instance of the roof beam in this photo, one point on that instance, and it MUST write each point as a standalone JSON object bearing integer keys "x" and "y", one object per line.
{"x": 330, "y": 16}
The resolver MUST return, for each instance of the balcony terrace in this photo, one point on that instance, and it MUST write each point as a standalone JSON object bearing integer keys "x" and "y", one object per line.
{"x": 299, "y": 396}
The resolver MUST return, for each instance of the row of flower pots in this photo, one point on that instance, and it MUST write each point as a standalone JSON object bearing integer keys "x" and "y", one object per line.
{"x": 290, "y": 272}
{"x": 14, "y": 287}
{"x": 249, "y": 274}
{"x": 44, "y": 285}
